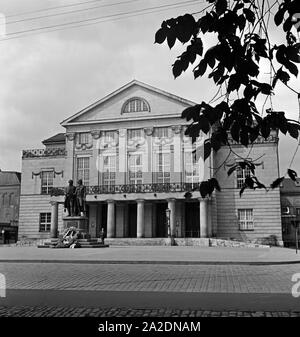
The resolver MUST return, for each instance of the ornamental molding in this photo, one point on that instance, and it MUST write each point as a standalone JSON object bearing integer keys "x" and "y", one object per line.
{"x": 148, "y": 131}
{"x": 96, "y": 134}
{"x": 39, "y": 174}
{"x": 176, "y": 128}
{"x": 84, "y": 147}
{"x": 122, "y": 132}
{"x": 70, "y": 136}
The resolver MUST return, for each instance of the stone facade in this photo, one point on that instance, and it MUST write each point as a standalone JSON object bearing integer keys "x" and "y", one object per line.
{"x": 131, "y": 152}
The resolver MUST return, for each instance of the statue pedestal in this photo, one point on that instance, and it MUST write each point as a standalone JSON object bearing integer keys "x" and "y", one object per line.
{"x": 79, "y": 222}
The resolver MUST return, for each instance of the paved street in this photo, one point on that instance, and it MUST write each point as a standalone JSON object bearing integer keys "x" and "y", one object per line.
{"x": 153, "y": 254}
{"x": 50, "y": 289}
{"x": 162, "y": 278}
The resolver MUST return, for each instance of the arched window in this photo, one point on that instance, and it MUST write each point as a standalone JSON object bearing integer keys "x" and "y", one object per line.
{"x": 135, "y": 104}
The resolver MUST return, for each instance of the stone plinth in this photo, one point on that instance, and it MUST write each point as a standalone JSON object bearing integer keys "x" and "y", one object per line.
{"x": 79, "y": 222}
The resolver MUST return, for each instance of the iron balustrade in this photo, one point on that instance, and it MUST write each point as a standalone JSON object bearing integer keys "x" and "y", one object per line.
{"x": 133, "y": 188}
{"x": 52, "y": 152}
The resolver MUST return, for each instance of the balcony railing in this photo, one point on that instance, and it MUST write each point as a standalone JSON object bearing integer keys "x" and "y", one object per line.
{"x": 133, "y": 188}
{"x": 38, "y": 153}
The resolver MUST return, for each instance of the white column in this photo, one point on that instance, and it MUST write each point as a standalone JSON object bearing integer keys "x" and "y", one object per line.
{"x": 172, "y": 208}
{"x": 177, "y": 153}
{"x": 140, "y": 219}
{"x": 54, "y": 219}
{"x": 95, "y": 159}
{"x": 69, "y": 172}
{"x": 122, "y": 157}
{"x": 110, "y": 218}
{"x": 203, "y": 218}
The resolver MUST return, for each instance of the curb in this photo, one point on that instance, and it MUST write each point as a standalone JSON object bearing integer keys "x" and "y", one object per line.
{"x": 250, "y": 263}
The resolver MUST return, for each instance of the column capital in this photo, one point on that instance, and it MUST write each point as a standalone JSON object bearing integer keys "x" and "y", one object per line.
{"x": 122, "y": 132}
{"x": 140, "y": 200}
{"x": 109, "y": 201}
{"x": 95, "y": 134}
{"x": 171, "y": 199}
{"x": 70, "y": 136}
{"x": 54, "y": 203}
{"x": 148, "y": 131}
{"x": 176, "y": 128}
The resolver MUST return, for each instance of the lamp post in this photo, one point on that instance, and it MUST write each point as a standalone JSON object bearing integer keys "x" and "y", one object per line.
{"x": 296, "y": 225}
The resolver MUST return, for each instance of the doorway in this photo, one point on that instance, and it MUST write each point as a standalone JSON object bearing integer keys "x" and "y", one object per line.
{"x": 192, "y": 220}
{"x": 132, "y": 220}
{"x": 161, "y": 221}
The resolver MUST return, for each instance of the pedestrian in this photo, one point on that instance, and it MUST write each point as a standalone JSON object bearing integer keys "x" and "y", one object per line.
{"x": 102, "y": 235}
{"x": 5, "y": 236}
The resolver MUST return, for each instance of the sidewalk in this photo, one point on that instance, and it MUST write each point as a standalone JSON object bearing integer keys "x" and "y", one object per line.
{"x": 152, "y": 255}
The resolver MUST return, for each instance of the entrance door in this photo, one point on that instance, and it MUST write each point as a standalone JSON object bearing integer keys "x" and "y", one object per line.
{"x": 161, "y": 221}
{"x": 192, "y": 220}
{"x": 132, "y": 214}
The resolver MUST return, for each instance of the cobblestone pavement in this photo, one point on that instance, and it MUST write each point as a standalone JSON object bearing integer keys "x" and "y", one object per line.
{"x": 167, "y": 278}
{"x": 238, "y": 279}
{"x": 47, "y": 311}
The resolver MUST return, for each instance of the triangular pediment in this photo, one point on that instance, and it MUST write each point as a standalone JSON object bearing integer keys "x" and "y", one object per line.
{"x": 111, "y": 107}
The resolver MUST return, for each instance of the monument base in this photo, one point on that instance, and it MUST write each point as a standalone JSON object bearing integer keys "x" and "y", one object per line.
{"x": 78, "y": 222}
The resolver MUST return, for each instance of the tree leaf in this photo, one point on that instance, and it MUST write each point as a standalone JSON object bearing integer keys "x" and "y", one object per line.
{"x": 177, "y": 68}
{"x": 231, "y": 170}
{"x": 215, "y": 184}
{"x": 207, "y": 148}
{"x": 221, "y": 6}
{"x": 250, "y": 16}
{"x": 204, "y": 189}
{"x": 278, "y": 17}
{"x": 292, "y": 174}
{"x": 276, "y": 182}
{"x": 200, "y": 69}
{"x": 293, "y": 130}
{"x": 161, "y": 35}
{"x": 204, "y": 124}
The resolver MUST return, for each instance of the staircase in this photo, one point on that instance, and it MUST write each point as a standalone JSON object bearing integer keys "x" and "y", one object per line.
{"x": 84, "y": 243}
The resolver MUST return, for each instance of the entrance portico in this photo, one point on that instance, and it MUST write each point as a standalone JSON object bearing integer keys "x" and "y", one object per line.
{"x": 142, "y": 218}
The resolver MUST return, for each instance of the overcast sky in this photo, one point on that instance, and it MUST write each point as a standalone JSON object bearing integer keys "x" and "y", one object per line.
{"x": 47, "y": 77}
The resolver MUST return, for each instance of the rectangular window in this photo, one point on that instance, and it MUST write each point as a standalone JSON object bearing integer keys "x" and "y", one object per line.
{"x": 134, "y": 134}
{"x": 162, "y": 132}
{"x": 83, "y": 169}
{"x": 110, "y": 136}
{"x": 163, "y": 167}
{"x": 83, "y": 138}
{"x": 135, "y": 168}
{"x": 109, "y": 170}
{"x": 241, "y": 175}
{"x": 191, "y": 168}
{"x": 297, "y": 211}
{"x": 245, "y": 217}
{"x": 46, "y": 181}
{"x": 45, "y": 222}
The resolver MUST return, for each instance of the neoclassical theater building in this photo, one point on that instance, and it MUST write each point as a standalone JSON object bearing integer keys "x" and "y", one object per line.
{"x": 130, "y": 150}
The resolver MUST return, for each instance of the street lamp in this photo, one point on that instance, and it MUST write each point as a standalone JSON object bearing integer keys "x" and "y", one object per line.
{"x": 168, "y": 212}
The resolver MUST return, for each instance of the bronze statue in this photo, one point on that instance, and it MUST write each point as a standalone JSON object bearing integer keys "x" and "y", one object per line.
{"x": 80, "y": 198}
{"x": 70, "y": 199}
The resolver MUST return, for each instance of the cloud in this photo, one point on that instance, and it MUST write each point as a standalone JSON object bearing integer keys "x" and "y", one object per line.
{"x": 47, "y": 77}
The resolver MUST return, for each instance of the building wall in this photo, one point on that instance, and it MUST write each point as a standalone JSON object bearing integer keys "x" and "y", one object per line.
{"x": 9, "y": 204}
{"x": 32, "y": 202}
{"x": 165, "y": 111}
{"x": 265, "y": 205}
